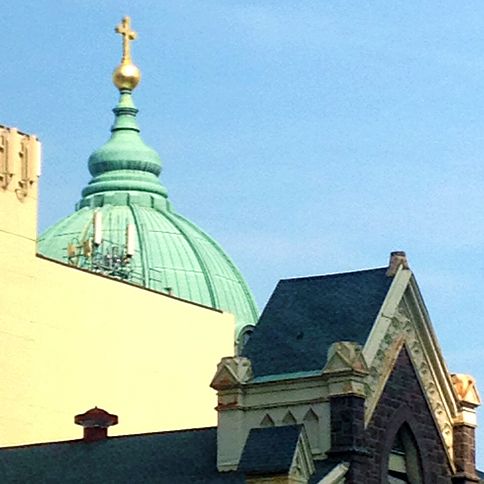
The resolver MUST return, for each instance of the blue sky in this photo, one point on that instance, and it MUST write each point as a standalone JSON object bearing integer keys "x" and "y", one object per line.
{"x": 307, "y": 137}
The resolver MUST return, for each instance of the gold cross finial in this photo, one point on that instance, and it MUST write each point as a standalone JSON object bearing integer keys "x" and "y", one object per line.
{"x": 126, "y": 75}
{"x": 124, "y": 29}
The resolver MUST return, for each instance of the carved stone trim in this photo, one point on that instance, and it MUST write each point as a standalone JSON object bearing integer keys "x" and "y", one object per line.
{"x": 344, "y": 356}
{"x": 232, "y": 371}
{"x": 402, "y": 331}
{"x": 465, "y": 387}
{"x": 19, "y": 159}
{"x": 345, "y": 369}
{"x": 302, "y": 465}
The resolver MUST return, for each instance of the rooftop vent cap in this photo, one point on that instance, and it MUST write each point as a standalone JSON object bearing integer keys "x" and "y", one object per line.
{"x": 95, "y": 422}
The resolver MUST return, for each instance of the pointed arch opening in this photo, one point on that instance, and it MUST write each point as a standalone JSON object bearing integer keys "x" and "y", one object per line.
{"x": 267, "y": 421}
{"x": 311, "y": 423}
{"x": 289, "y": 419}
{"x": 404, "y": 461}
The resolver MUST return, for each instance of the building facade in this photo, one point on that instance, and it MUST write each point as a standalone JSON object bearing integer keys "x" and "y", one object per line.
{"x": 72, "y": 337}
{"x": 341, "y": 380}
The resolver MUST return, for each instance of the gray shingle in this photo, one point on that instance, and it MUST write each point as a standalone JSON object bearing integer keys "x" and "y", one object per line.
{"x": 181, "y": 457}
{"x": 269, "y": 450}
{"x": 187, "y": 456}
{"x": 304, "y": 316}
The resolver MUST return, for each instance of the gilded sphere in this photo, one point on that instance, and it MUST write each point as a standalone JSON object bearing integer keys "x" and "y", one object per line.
{"x": 126, "y": 76}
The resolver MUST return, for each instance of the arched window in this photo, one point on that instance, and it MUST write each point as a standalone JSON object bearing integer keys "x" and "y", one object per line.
{"x": 404, "y": 460}
{"x": 244, "y": 335}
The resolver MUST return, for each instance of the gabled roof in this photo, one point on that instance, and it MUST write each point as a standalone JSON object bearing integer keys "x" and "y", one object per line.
{"x": 270, "y": 450}
{"x": 304, "y": 316}
{"x": 187, "y": 456}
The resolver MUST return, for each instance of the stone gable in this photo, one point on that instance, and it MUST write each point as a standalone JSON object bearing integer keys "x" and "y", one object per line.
{"x": 403, "y": 401}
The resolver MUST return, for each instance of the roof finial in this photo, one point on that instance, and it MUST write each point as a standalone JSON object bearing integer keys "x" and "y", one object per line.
{"x": 397, "y": 258}
{"x": 124, "y": 29}
{"x": 126, "y": 75}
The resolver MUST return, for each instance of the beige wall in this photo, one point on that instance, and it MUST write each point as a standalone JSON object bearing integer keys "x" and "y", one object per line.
{"x": 70, "y": 340}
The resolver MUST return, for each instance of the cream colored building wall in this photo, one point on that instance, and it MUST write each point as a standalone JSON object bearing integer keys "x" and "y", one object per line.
{"x": 70, "y": 340}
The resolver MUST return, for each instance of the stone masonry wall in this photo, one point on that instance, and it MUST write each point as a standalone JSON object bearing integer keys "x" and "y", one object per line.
{"x": 402, "y": 402}
{"x": 465, "y": 453}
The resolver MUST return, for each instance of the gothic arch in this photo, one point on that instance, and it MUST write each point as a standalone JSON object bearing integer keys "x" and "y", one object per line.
{"x": 403, "y": 430}
{"x": 289, "y": 419}
{"x": 311, "y": 423}
{"x": 267, "y": 421}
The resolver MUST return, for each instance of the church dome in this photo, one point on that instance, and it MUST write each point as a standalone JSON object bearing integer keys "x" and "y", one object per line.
{"x": 125, "y": 227}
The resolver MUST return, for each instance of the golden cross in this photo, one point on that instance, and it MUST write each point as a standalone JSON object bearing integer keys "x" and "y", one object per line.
{"x": 124, "y": 28}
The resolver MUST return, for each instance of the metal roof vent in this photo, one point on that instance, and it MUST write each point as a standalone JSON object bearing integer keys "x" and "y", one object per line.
{"x": 95, "y": 422}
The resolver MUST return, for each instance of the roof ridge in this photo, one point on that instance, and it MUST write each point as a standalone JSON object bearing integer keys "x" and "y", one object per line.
{"x": 110, "y": 438}
{"x": 332, "y": 274}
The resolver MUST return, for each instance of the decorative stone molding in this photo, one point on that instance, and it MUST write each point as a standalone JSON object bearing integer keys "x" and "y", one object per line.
{"x": 302, "y": 465}
{"x": 19, "y": 159}
{"x": 345, "y": 356}
{"x": 232, "y": 371}
{"x": 289, "y": 419}
{"x": 401, "y": 330}
{"x": 267, "y": 421}
{"x": 311, "y": 424}
{"x": 6, "y": 172}
{"x": 465, "y": 387}
{"x": 469, "y": 399}
{"x": 345, "y": 369}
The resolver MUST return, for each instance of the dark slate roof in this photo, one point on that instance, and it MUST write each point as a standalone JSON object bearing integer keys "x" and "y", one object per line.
{"x": 322, "y": 469}
{"x": 304, "y": 316}
{"x": 480, "y": 474}
{"x": 181, "y": 457}
{"x": 270, "y": 450}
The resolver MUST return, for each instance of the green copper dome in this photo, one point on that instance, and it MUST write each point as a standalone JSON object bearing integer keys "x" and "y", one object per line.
{"x": 137, "y": 235}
